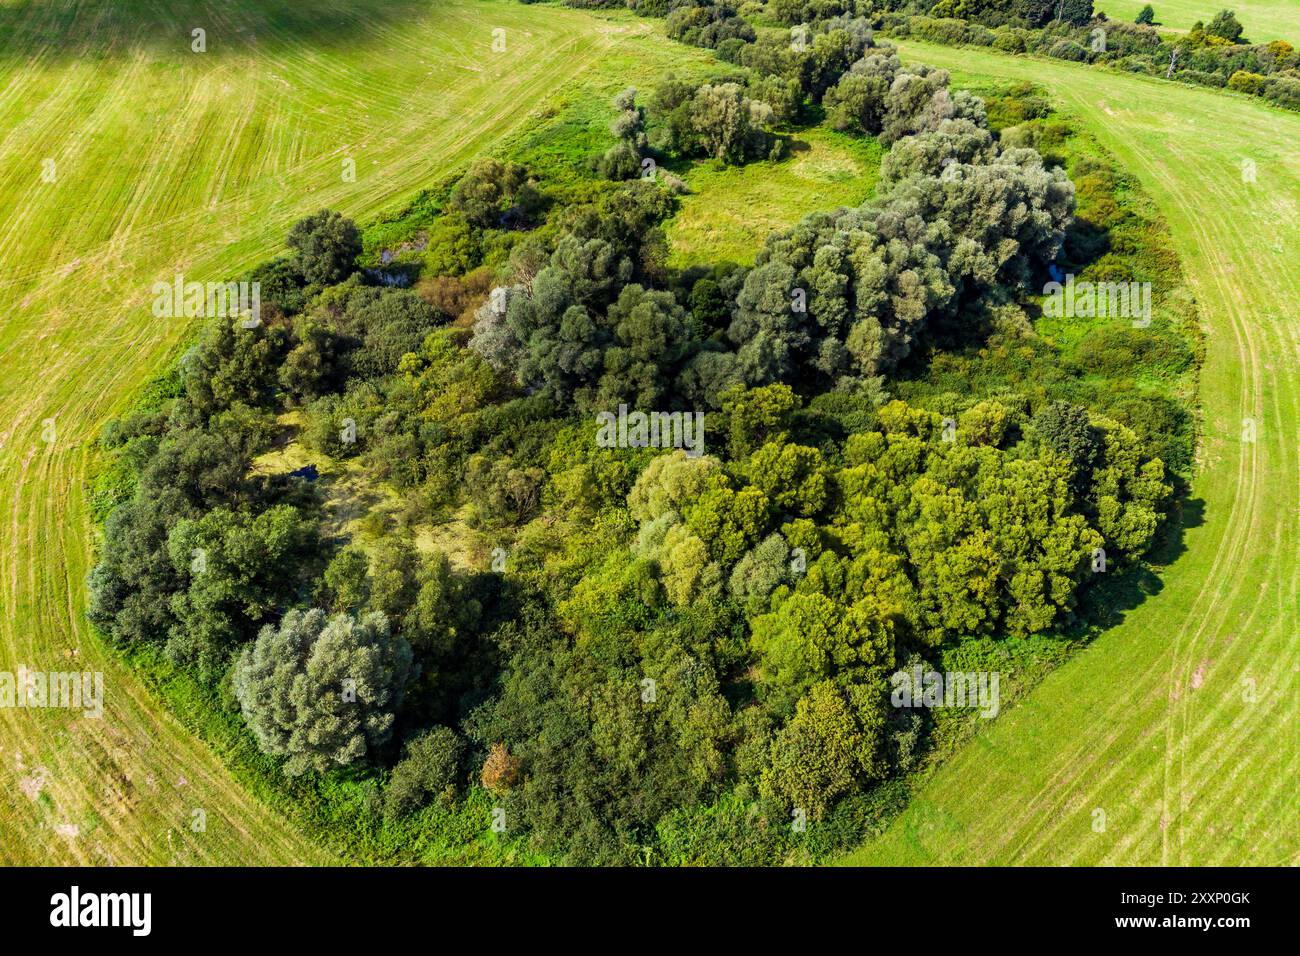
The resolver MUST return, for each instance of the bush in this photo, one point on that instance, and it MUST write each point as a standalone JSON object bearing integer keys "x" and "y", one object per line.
{"x": 945, "y": 30}
{"x": 1066, "y": 430}
{"x": 280, "y": 284}
{"x": 320, "y": 692}
{"x": 1137, "y": 64}
{"x": 1201, "y": 78}
{"x": 621, "y": 161}
{"x": 1119, "y": 351}
{"x": 429, "y": 770}
{"x": 1244, "y": 82}
{"x": 1284, "y": 91}
{"x": 726, "y": 125}
{"x": 729, "y": 49}
{"x": 501, "y": 770}
{"x": 494, "y": 194}
{"x": 1068, "y": 50}
{"x": 1009, "y": 42}
{"x": 453, "y": 248}
{"x": 1225, "y": 26}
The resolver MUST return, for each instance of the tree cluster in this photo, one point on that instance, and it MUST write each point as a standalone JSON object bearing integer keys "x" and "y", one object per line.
{"x": 662, "y": 638}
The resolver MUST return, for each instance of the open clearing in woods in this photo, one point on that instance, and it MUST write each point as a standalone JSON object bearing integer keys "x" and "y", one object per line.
{"x": 1264, "y": 20}
{"x": 731, "y": 210}
{"x": 167, "y": 161}
{"x": 1182, "y": 724}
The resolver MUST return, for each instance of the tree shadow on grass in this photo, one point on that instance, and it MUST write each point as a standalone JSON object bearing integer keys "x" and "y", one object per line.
{"x": 1109, "y": 601}
{"x": 118, "y": 29}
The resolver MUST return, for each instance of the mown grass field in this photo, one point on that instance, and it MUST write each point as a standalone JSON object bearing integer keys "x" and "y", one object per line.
{"x": 163, "y": 161}
{"x": 731, "y": 210}
{"x": 1181, "y": 725}
{"x": 1264, "y": 20}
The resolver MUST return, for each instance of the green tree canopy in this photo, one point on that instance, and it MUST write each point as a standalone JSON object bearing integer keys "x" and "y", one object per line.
{"x": 322, "y": 692}
{"x": 325, "y": 245}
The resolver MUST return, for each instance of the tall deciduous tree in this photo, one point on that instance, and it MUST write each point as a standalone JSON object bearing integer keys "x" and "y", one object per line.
{"x": 322, "y": 692}
{"x": 326, "y": 246}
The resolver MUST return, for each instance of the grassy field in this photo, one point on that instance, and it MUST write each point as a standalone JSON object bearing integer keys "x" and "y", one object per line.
{"x": 732, "y": 209}
{"x": 1264, "y": 20}
{"x": 1182, "y": 724}
{"x": 125, "y": 158}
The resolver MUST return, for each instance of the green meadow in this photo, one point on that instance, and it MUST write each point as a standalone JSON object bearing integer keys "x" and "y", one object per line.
{"x": 1264, "y": 20}
{"x": 731, "y": 209}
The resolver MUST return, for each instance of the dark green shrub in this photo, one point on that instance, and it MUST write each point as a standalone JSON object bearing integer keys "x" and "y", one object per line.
{"x": 429, "y": 770}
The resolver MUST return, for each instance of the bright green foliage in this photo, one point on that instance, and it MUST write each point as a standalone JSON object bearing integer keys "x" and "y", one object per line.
{"x": 793, "y": 477}
{"x": 983, "y": 424}
{"x": 612, "y": 602}
{"x": 671, "y": 482}
{"x": 729, "y": 521}
{"x": 688, "y": 573}
{"x": 812, "y": 636}
{"x": 346, "y": 577}
{"x": 453, "y": 247}
{"x": 1130, "y": 492}
{"x": 757, "y": 416}
{"x": 829, "y": 747}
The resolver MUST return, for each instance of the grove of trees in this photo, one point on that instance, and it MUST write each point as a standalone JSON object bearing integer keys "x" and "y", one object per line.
{"x": 638, "y": 651}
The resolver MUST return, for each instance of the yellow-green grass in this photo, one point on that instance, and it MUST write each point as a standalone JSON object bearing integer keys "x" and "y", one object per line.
{"x": 732, "y": 209}
{"x": 167, "y": 161}
{"x": 1181, "y": 725}
{"x": 352, "y": 497}
{"x": 1264, "y": 20}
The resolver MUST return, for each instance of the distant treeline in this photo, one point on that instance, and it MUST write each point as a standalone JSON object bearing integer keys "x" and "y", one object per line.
{"x": 1214, "y": 54}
